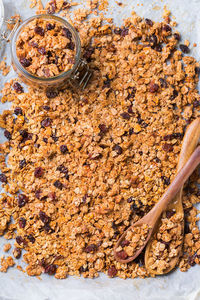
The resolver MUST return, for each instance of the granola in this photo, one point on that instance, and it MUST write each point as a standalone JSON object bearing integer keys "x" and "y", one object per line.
{"x": 46, "y": 48}
{"x": 83, "y": 166}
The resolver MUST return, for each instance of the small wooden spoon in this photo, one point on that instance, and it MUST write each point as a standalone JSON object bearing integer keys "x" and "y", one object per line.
{"x": 189, "y": 144}
{"x": 152, "y": 217}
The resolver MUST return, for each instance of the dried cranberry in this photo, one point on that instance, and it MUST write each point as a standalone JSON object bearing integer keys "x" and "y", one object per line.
{"x": 43, "y": 217}
{"x": 42, "y": 50}
{"x": 157, "y": 160}
{"x": 62, "y": 169}
{"x": 118, "y": 30}
{"x": 46, "y": 122}
{"x": 166, "y": 180}
{"x": 166, "y": 28}
{"x": 167, "y": 147}
{"x": 125, "y": 243}
{"x": 38, "y": 194}
{"x": 51, "y": 93}
{"x": 153, "y": 40}
{"x": 177, "y": 36}
{"x": 46, "y": 107}
{"x": 7, "y": 134}
{"x": 196, "y": 103}
{"x": 22, "y": 200}
{"x": 131, "y": 131}
{"x": 71, "y": 46}
{"x": 197, "y": 70}
{"x": 67, "y": 33}
{"x": 38, "y": 172}
{"x": 153, "y": 87}
{"x": 106, "y": 83}
{"x": 22, "y": 163}
{"x": 174, "y": 95}
{"x": 54, "y": 137}
{"x": 31, "y": 238}
{"x": 103, "y": 128}
{"x": 112, "y": 271}
{"x": 125, "y": 116}
{"x": 83, "y": 269}
{"x": 18, "y": 88}
{"x": 18, "y": 111}
{"x": 22, "y": 222}
{"x": 50, "y": 269}
{"x": 184, "y": 48}
{"x": 50, "y": 26}
{"x": 163, "y": 83}
{"x": 90, "y": 248}
{"x": 17, "y": 252}
{"x": 130, "y": 199}
{"x": 64, "y": 149}
{"x": 52, "y": 196}
{"x": 48, "y": 228}
{"x": 158, "y": 48}
{"x": 58, "y": 184}
{"x": 170, "y": 213}
{"x": 122, "y": 254}
{"x": 19, "y": 240}
{"x": 24, "y": 133}
{"x": 45, "y": 140}
{"x": 25, "y": 62}
{"x": 33, "y": 44}
{"x": 39, "y": 30}
{"x": 149, "y": 22}
{"x": 191, "y": 260}
{"x": 3, "y": 178}
{"x": 88, "y": 52}
{"x": 124, "y": 32}
{"x": 52, "y": 7}
{"x": 117, "y": 149}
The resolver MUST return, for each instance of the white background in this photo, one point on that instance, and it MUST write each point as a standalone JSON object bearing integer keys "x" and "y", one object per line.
{"x": 180, "y": 286}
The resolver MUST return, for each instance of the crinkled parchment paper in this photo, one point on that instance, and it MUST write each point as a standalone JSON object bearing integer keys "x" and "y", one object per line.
{"x": 180, "y": 286}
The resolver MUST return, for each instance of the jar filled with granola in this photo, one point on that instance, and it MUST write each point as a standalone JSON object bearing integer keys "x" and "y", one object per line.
{"x": 46, "y": 53}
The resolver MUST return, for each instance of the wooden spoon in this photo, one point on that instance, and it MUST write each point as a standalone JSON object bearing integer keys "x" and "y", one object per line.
{"x": 152, "y": 217}
{"x": 189, "y": 144}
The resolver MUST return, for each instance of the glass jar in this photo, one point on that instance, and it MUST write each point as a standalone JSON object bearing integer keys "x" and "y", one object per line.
{"x": 78, "y": 76}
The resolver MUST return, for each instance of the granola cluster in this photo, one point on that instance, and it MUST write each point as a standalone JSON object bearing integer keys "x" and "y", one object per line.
{"x": 46, "y": 48}
{"x": 83, "y": 166}
{"x": 133, "y": 241}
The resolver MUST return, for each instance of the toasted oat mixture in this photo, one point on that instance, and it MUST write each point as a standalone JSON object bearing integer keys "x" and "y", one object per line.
{"x": 133, "y": 241}
{"x": 82, "y": 167}
{"x": 166, "y": 242}
{"x": 46, "y": 48}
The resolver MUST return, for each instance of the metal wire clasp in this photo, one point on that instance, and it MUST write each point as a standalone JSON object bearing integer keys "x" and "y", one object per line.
{"x": 5, "y": 36}
{"x": 82, "y": 74}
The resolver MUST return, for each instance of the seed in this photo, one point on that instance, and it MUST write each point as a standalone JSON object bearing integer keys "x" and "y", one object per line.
{"x": 7, "y": 134}
{"x": 22, "y": 200}
{"x": 18, "y": 88}
{"x": 43, "y": 217}
{"x": 3, "y": 178}
{"x": 184, "y": 48}
{"x": 22, "y": 222}
{"x": 125, "y": 116}
{"x": 117, "y": 149}
{"x": 22, "y": 163}
{"x": 50, "y": 26}
{"x": 149, "y": 22}
{"x": 38, "y": 172}
{"x": 58, "y": 184}
{"x": 39, "y": 30}
{"x": 67, "y": 33}
{"x": 153, "y": 87}
{"x": 17, "y": 252}
{"x": 51, "y": 93}
{"x": 46, "y": 122}
{"x": 50, "y": 269}
{"x": 64, "y": 149}
{"x": 122, "y": 254}
{"x": 167, "y": 147}
{"x": 18, "y": 111}
{"x": 25, "y": 62}
{"x": 112, "y": 271}
{"x": 90, "y": 248}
